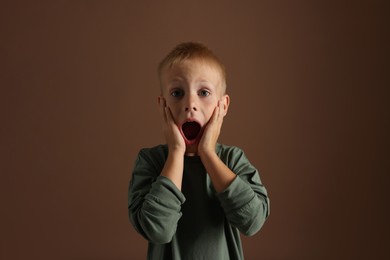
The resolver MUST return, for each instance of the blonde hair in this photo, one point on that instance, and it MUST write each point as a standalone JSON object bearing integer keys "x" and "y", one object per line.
{"x": 192, "y": 50}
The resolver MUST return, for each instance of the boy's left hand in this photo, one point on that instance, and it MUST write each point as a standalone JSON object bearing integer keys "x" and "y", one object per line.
{"x": 211, "y": 132}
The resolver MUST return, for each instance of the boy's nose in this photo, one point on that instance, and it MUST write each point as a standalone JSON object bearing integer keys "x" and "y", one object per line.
{"x": 190, "y": 104}
{"x": 189, "y": 108}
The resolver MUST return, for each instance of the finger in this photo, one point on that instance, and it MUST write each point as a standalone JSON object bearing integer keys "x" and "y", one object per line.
{"x": 161, "y": 102}
{"x": 214, "y": 116}
{"x": 221, "y": 110}
{"x": 217, "y": 111}
{"x": 218, "y": 114}
{"x": 169, "y": 116}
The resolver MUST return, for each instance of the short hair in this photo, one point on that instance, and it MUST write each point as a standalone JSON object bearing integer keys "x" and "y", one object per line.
{"x": 192, "y": 50}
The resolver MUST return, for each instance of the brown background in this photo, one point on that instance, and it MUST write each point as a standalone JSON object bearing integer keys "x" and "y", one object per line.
{"x": 309, "y": 87}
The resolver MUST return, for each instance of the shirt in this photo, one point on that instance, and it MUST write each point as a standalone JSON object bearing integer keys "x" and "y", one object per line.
{"x": 196, "y": 222}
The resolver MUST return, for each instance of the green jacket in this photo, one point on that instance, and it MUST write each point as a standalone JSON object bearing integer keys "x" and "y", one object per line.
{"x": 197, "y": 222}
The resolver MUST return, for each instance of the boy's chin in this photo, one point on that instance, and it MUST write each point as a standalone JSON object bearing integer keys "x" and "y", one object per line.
{"x": 192, "y": 146}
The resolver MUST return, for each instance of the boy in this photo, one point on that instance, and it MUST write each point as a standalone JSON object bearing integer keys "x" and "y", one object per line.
{"x": 191, "y": 197}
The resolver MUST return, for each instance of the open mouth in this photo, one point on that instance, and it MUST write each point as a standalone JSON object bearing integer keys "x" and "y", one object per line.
{"x": 191, "y": 130}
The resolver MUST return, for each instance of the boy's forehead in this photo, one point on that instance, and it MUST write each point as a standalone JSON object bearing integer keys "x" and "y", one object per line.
{"x": 203, "y": 69}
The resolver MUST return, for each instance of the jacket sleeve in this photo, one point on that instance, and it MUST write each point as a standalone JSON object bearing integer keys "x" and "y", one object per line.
{"x": 154, "y": 202}
{"x": 245, "y": 200}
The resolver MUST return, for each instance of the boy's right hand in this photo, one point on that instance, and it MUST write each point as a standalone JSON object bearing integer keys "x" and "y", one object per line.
{"x": 171, "y": 131}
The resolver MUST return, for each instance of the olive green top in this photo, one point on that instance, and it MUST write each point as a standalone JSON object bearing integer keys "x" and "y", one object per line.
{"x": 197, "y": 222}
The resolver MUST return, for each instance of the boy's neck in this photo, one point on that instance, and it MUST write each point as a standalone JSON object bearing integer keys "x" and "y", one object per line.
{"x": 191, "y": 150}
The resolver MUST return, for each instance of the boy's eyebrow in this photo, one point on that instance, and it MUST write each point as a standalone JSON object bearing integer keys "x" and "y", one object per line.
{"x": 175, "y": 83}
{"x": 204, "y": 81}
{"x": 176, "y": 79}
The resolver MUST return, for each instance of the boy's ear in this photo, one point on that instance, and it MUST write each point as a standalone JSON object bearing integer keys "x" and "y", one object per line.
{"x": 225, "y": 102}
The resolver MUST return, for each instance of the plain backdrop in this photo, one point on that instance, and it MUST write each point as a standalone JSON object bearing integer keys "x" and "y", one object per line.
{"x": 308, "y": 82}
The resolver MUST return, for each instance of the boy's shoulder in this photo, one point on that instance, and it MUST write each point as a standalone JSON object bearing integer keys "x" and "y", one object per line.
{"x": 156, "y": 155}
{"x": 159, "y": 151}
{"x": 235, "y": 158}
{"x": 161, "y": 148}
{"x": 228, "y": 150}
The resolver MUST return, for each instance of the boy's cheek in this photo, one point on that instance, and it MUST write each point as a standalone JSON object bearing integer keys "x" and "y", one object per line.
{"x": 176, "y": 118}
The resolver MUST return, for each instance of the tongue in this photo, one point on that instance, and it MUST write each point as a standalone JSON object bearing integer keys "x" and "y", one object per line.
{"x": 191, "y": 130}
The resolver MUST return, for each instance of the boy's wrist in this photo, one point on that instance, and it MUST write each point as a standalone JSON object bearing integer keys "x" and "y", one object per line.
{"x": 173, "y": 168}
{"x": 176, "y": 152}
{"x": 207, "y": 153}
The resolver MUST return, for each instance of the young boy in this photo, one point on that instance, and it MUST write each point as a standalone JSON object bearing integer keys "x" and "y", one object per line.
{"x": 191, "y": 197}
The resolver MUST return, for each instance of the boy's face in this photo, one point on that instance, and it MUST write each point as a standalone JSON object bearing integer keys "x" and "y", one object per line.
{"x": 192, "y": 90}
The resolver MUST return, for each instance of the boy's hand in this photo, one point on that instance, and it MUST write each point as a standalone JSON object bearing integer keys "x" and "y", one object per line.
{"x": 211, "y": 132}
{"x": 172, "y": 133}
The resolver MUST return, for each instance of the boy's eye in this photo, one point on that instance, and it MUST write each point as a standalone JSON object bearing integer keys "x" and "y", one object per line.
{"x": 204, "y": 93}
{"x": 177, "y": 93}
